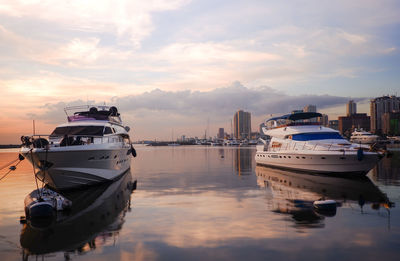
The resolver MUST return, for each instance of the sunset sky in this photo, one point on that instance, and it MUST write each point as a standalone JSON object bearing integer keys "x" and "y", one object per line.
{"x": 172, "y": 66}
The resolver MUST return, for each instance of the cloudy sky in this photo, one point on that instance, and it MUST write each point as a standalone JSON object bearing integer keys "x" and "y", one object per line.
{"x": 172, "y": 66}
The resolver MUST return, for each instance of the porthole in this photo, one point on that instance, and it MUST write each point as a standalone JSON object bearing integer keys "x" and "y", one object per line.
{"x": 342, "y": 158}
{"x": 297, "y": 157}
{"x": 303, "y": 157}
{"x": 322, "y": 157}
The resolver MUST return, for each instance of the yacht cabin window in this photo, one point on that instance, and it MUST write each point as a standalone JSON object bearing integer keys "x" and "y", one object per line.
{"x": 78, "y": 130}
{"x": 315, "y": 136}
{"x": 108, "y": 130}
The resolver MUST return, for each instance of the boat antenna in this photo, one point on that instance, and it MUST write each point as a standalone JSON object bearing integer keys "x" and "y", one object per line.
{"x": 208, "y": 127}
{"x": 33, "y": 127}
{"x": 231, "y": 130}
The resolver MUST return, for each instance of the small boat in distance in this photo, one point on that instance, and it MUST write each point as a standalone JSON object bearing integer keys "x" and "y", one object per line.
{"x": 174, "y": 144}
{"x": 92, "y": 147}
{"x": 364, "y": 137}
{"x": 299, "y": 144}
{"x": 231, "y": 142}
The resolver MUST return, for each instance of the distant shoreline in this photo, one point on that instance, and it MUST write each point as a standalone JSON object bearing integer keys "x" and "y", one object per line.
{"x": 9, "y": 146}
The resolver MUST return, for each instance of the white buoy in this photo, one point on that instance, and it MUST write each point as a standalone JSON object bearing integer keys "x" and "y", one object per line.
{"x": 325, "y": 204}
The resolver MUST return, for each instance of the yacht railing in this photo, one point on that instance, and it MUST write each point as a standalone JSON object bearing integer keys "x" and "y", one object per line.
{"x": 315, "y": 146}
{"x": 42, "y": 141}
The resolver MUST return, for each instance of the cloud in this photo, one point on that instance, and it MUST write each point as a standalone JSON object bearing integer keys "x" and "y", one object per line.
{"x": 177, "y": 45}
{"x": 224, "y": 101}
{"x": 129, "y": 20}
{"x": 157, "y": 112}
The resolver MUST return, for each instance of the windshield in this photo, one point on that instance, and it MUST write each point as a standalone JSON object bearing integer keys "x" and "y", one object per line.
{"x": 317, "y": 136}
{"x": 79, "y": 131}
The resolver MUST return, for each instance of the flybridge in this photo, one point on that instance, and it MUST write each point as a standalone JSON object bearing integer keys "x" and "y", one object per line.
{"x": 90, "y": 112}
{"x": 290, "y": 120}
{"x": 297, "y": 116}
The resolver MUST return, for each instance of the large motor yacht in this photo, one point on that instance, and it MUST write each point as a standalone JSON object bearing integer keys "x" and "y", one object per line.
{"x": 92, "y": 147}
{"x": 296, "y": 142}
{"x": 364, "y": 137}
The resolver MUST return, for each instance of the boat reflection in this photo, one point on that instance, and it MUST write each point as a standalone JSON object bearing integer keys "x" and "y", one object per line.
{"x": 97, "y": 214}
{"x": 294, "y": 193}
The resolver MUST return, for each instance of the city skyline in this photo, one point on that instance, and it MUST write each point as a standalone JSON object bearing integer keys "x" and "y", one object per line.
{"x": 174, "y": 64}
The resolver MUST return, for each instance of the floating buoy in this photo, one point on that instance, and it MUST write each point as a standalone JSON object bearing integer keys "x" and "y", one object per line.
{"x": 325, "y": 204}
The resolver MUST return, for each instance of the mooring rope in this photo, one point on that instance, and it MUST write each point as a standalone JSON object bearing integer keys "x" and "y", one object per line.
{"x": 44, "y": 169}
{"x": 36, "y": 178}
{"x": 20, "y": 158}
{"x": 11, "y": 162}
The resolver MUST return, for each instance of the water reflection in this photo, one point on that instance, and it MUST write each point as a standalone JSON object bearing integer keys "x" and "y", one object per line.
{"x": 243, "y": 161}
{"x": 193, "y": 205}
{"x": 387, "y": 170}
{"x": 96, "y": 217}
{"x": 294, "y": 193}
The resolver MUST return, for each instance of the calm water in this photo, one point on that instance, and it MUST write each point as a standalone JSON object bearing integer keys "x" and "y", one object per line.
{"x": 198, "y": 203}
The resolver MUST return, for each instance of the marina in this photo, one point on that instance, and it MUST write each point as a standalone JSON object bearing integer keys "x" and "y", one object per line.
{"x": 199, "y": 130}
{"x": 206, "y": 202}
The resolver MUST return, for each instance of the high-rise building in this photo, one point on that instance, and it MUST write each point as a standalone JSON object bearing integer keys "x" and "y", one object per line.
{"x": 378, "y": 107}
{"x": 221, "y": 133}
{"x": 334, "y": 124}
{"x": 310, "y": 108}
{"x": 351, "y": 108}
{"x": 242, "y": 125}
{"x": 324, "y": 120}
{"x": 391, "y": 123}
{"x": 348, "y": 123}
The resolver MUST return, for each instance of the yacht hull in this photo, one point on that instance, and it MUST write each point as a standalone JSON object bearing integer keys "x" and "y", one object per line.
{"x": 332, "y": 163}
{"x": 69, "y": 169}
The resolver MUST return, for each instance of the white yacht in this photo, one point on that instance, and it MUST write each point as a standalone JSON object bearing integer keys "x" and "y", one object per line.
{"x": 231, "y": 142}
{"x": 92, "y": 147}
{"x": 364, "y": 137}
{"x": 296, "y": 143}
